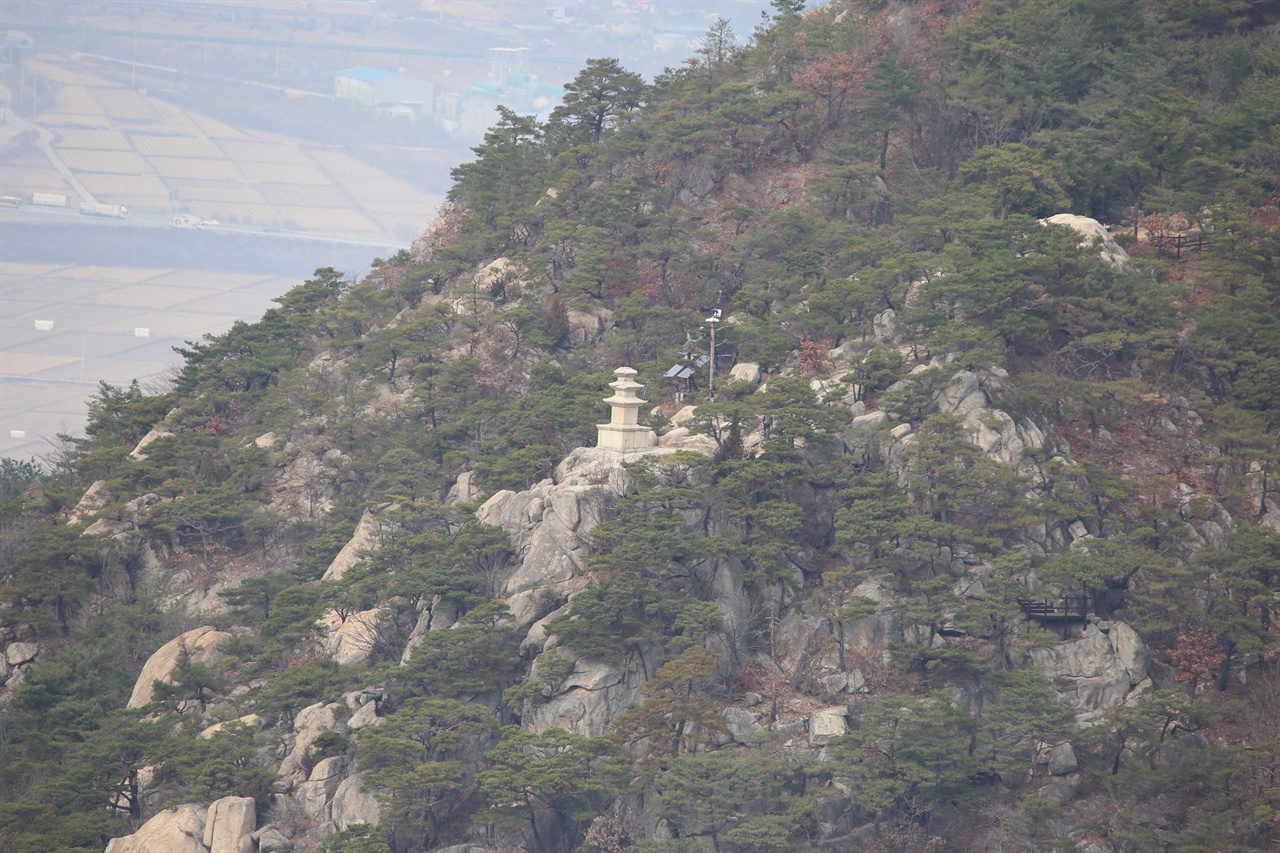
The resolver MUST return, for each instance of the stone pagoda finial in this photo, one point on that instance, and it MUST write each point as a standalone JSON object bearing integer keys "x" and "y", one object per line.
{"x": 623, "y": 432}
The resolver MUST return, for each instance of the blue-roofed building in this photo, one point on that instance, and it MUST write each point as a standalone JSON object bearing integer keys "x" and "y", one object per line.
{"x": 374, "y": 87}
{"x": 359, "y": 84}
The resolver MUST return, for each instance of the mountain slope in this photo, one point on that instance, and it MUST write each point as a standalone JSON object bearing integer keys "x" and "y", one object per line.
{"x": 973, "y": 546}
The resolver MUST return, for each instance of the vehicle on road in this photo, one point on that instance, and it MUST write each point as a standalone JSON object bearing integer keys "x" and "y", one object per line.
{"x": 114, "y": 211}
{"x": 186, "y": 221}
{"x": 50, "y": 200}
{"x": 10, "y": 201}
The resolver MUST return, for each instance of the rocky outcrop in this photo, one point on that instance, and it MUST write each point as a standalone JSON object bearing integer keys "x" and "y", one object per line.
{"x": 826, "y": 657}
{"x": 363, "y": 705}
{"x": 176, "y": 830}
{"x": 827, "y": 723}
{"x": 742, "y": 725}
{"x": 884, "y": 325}
{"x": 368, "y": 537}
{"x": 230, "y": 820}
{"x": 202, "y": 644}
{"x": 1208, "y": 519}
{"x": 352, "y": 804}
{"x": 1270, "y": 520}
{"x": 591, "y": 697}
{"x": 352, "y": 640}
{"x": 589, "y": 326}
{"x": 548, "y": 523}
{"x": 437, "y": 616}
{"x": 316, "y": 794}
{"x": 1092, "y": 230}
{"x": 253, "y": 721}
{"x": 463, "y": 490}
{"x": 1107, "y": 665}
{"x": 271, "y": 840}
{"x": 17, "y": 654}
{"x": 493, "y": 274}
{"x": 745, "y": 371}
{"x": 968, "y": 395}
{"x": 1007, "y": 440}
{"x": 311, "y": 722}
{"x": 439, "y": 233}
{"x": 94, "y": 499}
{"x": 962, "y": 395}
{"x": 1060, "y": 759}
{"x": 154, "y": 435}
{"x": 869, "y": 421}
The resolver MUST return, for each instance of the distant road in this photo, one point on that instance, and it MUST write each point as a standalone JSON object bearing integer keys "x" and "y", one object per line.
{"x": 401, "y": 50}
{"x": 167, "y": 69}
{"x": 15, "y": 124}
{"x": 67, "y": 238}
{"x": 52, "y": 216}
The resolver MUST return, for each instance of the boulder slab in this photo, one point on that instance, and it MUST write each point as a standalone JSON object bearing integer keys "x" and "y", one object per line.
{"x": 353, "y": 640}
{"x": 352, "y": 804}
{"x": 828, "y": 723}
{"x": 311, "y": 722}
{"x": 201, "y": 643}
{"x": 1097, "y": 670}
{"x": 176, "y": 830}
{"x": 229, "y": 820}
{"x": 367, "y": 537}
{"x": 19, "y": 653}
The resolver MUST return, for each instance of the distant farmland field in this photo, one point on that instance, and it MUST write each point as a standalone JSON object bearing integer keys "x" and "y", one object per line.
{"x": 123, "y": 148}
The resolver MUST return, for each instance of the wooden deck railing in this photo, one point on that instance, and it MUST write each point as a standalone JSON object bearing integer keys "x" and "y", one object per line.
{"x": 1067, "y": 609}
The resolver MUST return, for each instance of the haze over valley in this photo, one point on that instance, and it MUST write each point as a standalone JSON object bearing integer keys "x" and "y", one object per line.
{"x": 242, "y": 158}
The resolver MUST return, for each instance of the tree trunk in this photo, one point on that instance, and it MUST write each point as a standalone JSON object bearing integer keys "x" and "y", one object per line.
{"x": 1224, "y": 672}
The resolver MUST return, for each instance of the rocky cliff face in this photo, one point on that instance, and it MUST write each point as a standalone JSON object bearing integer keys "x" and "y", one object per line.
{"x": 794, "y": 668}
{"x": 813, "y": 658}
{"x": 891, "y": 600}
{"x": 1105, "y": 666}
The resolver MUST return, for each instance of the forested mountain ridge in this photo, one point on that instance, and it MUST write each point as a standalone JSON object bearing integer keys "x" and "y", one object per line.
{"x": 975, "y": 546}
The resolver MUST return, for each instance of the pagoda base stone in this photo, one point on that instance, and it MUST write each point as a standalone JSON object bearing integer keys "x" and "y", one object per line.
{"x": 625, "y": 437}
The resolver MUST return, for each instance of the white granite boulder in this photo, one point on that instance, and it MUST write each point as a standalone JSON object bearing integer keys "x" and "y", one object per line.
{"x": 315, "y": 794}
{"x": 154, "y": 435}
{"x": 962, "y": 395}
{"x": 1061, "y": 759}
{"x": 17, "y": 654}
{"x": 589, "y": 698}
{"x": 367, "y": 537}
{"x": 311, "y": 722}
{"x": 176, "y": 830}
{"x": 352, "y": 804}
{"x": 202, "y": 644}
{"x": 745, "y": 371}
{"x": 883, "y": 325}
{"x": 464, "y": 489}
{"x": 229, "y": 820}
{"x": 93, "y": 500}
{"x": 353, "y": 640}
{"x": 1091, "y": 230}
{"x": 828, "y": 723}
{"x": 742, "y": 724}
{"x": 871, "y": 420}
{"x": 1097, "y": 670}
